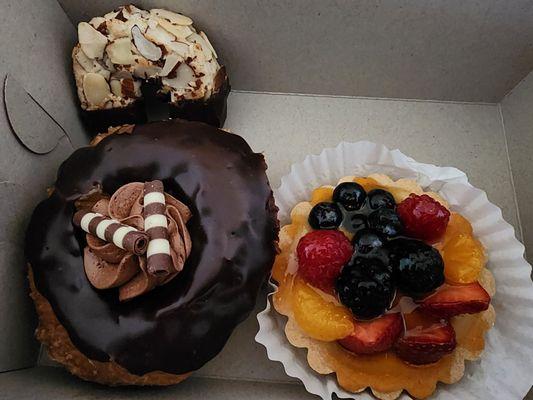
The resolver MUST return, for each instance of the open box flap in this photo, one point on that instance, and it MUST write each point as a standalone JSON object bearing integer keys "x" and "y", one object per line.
{"x": 39, "y": 126}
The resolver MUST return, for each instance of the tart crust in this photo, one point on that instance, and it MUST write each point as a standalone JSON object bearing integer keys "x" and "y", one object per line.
{"x": 320, "y": 355}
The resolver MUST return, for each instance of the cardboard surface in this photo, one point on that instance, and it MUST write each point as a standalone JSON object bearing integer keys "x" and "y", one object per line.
{"x": 436, "y": 50}
{"x": 518, "y": 119}
{"x": 40, "y": 134}
{"x": 48, "y": 383}
{"x": 39, "y": 62}
{"x": 451, "y": 50}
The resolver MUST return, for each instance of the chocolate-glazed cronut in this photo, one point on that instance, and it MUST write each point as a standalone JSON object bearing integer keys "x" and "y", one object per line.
{"x": 177, "y": 327}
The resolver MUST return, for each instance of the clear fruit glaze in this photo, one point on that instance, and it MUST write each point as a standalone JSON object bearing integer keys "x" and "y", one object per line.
{"x": 322, "y": 320}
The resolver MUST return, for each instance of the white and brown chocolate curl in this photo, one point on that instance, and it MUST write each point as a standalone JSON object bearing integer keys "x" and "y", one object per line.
{"x": 108, "y": 265}
{"x": 110, "y": 230}
{"x": 158, "y": 257}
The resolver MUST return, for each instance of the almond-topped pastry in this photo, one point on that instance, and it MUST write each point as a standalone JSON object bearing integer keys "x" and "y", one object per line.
{"x": 384, "y": 285}
{"x": 123, "y": 50}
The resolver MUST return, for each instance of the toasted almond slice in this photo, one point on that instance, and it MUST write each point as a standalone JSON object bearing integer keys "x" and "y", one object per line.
{"x": 91, "y": 41}
{"x": 118, "y": 29}
{"x": 159, "y": 35}
{"x": 116, "y": 87}
{"x": 147, "y": 49}
{"x": 145, "y": 71}
{"x": 119, "y": 51}
{"x": 173, "y": 17}
{"x": 86, "y": 63}
{"x": 111, "y": 15}
{"x": 170, "y": 62}
{"x": 179, "y": 31}
{"x": 89, "y": 65}
{"x": 204, "y": 36}
{"x": 206, "y": 48}
{"x": 97, "y": 21}
{"x": 96, "y": 89}
{"x": 179, "y": 48}
{"x": 184, "y": 75}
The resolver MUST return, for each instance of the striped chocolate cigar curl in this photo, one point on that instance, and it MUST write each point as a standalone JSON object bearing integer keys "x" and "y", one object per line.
{"x": 112, "y": 231}
{"x": 159, "y": 261}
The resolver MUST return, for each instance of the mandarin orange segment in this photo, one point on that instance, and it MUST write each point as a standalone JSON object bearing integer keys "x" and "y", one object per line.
{"x": 318, "y": 317}
{"x": 456, "y": 225}
{"x": 463, "y": 257}
{"x": 324, "y": 193}
{"x": 368, "y": 183}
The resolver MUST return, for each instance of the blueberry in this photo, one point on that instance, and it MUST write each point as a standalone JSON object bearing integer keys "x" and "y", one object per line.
{"x": 357, "y": 222}
{"x": 366, "y": 287}
{"x": 350, "y": 194}
{"x": 418, "y": 267}
{"x": 379, "y": 198}
{"x": 385, "y": 221}
{"x": 325, "y": 216}
{"x": 368, "y": 240}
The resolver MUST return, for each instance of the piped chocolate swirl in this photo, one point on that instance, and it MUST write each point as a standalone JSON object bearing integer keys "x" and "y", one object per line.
{"x": 233, "y": 233}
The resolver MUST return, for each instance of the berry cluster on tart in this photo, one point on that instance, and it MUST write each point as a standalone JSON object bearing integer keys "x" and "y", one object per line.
{"x": 384, "y": 285}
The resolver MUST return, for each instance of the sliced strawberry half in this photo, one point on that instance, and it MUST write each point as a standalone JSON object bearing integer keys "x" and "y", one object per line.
{"x": 426, "y": 339}
{"x": 374, "y": 336}
{"x": 450, "y": 300}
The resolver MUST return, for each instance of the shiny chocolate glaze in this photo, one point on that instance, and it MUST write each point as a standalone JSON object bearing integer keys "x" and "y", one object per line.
{"x": 179, "y": 326}
{"x": 98, "y": 121}
{"x": 212, "y": 111}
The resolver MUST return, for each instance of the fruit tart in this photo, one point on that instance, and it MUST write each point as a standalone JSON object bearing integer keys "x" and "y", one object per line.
{"x": 384, "y": 285}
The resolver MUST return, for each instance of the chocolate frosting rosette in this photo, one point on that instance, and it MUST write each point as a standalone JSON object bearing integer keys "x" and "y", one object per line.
{"x": 109, "y": 265}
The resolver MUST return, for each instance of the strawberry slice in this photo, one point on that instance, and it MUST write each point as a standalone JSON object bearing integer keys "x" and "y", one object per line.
{"x": 426, "y": 340}
{"x": 450, "y": 300}
{"x": 374, "y": 336}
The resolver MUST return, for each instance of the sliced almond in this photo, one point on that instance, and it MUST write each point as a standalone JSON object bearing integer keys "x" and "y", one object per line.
{"x": 96, "y": 89}
{"x": 147, "y": 49}
{"x": 86, "y": 63}
{"x": 134, "y": 10}
{"x": 184, "y": 75}
{"x": 181, "y": 32}
{"x": 173, "y": 17}
{"x": 170, "y": 62}
{"x": 179, "y": 48}
{"x": 97, "y": 21}
{"x": 116, "y": 87}
{"x": 118, "y": 29}
{"x": 206, "y": 49}
{"x": 146, "y": 71}
{"x": 204, "y": 36}
{"x": 92, "y": 42}
{"x": 152, "y": 22}
{"x": 111, "y": 15}
{"x": 159, "y": 35}
{"x": 119, "y": 52}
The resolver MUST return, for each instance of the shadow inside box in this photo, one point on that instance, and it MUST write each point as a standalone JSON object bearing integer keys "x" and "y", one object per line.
{"x": 56, "y": 383}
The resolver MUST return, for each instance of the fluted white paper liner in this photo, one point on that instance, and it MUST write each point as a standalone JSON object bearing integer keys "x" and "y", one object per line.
{"x": 505, "y": 370}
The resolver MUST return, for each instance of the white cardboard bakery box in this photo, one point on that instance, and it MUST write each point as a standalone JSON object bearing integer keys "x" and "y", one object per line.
{"x": 444, "y": 81}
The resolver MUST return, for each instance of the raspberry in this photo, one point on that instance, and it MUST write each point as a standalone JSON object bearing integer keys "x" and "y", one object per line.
{"x": 321, "y": 255}
{"x": 423, "y": 217}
